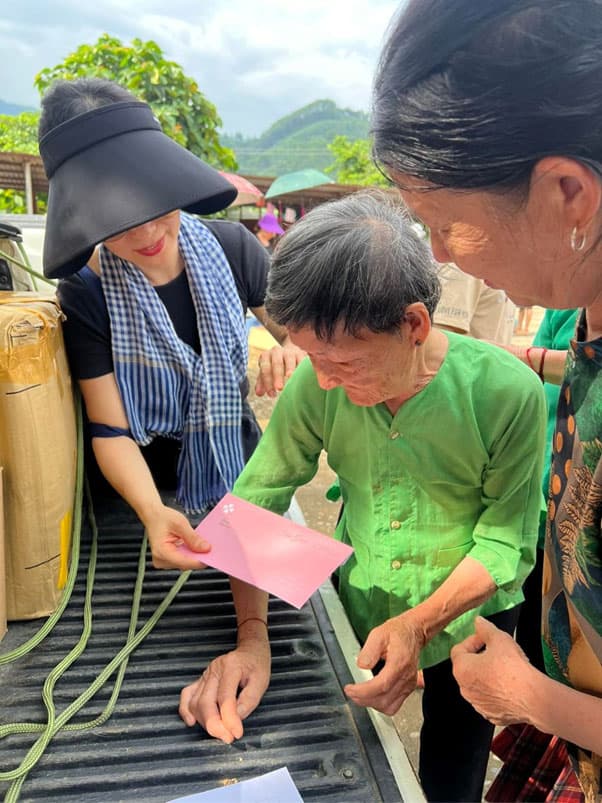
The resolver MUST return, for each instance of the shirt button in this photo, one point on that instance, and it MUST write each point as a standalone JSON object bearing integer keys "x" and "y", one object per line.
{"x": 396, "y": 564}
{"x": 395, "y": 525}
{"x": 394, "y": 435}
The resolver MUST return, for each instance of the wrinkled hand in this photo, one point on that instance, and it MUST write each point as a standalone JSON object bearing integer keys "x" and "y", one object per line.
{"x": 276, "y": 366}
{"x": 398, "y": 642}
{"x": 228, "y": 691}
{"x": 494, "y": 674}
{"x": 166, "y": 531}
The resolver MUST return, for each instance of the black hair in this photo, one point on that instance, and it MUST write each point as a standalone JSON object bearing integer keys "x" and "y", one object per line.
{"x": 66, "y": 99}
{"x": 473, "y": 93}
{"x": 355, "y": 261}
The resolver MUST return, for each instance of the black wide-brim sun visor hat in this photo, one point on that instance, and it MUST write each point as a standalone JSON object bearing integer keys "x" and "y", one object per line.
{"x": 111, "y": 169}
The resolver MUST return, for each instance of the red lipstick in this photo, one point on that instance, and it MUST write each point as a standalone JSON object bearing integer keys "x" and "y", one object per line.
{"x": 152, "y": 250}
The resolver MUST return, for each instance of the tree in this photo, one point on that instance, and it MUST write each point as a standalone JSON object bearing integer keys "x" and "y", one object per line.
{"x": 183, "y": 111}
{"x": 19, "y": 133}
{"x": 354, "y": 164}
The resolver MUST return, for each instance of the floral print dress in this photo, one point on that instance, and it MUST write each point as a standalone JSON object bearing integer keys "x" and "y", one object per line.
{"x": 572, "y": 584}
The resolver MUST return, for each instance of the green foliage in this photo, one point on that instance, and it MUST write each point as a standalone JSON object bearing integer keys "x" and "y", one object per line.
{"x": 183, "y": 111}
{"x": 13, "y": 202}
{"x": 19, "y": 134}
{"x": 314, "y": 116}
{"x": 353, "y": 163}
{"x": 299, "y": 140}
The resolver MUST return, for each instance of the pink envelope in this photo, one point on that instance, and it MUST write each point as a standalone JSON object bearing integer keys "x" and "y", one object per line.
{"x": 267, "y": 550}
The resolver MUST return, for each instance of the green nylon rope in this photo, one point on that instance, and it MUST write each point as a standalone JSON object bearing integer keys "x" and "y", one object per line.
{"x": 26, "y": 266}
{"x": 54, "y": 724}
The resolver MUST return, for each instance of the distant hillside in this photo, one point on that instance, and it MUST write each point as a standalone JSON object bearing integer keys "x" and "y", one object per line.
{"x": 298, "y": 140}
{"x": 14, "y": 108}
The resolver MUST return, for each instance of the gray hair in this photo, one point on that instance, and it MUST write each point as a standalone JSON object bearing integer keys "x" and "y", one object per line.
{"x": 357, "y": 262}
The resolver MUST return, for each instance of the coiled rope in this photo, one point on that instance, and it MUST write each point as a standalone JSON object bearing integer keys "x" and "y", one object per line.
{"x": 55, "y": 723}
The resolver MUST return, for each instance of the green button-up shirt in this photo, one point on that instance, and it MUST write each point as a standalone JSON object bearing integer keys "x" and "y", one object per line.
{"x": 455, "y": 472}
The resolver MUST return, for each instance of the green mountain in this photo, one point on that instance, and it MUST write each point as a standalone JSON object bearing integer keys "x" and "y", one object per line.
{"x": 298, "y": 140}
{"x": 14, "y": 108}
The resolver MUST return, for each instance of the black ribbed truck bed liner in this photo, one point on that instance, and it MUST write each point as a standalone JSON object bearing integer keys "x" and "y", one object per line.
{"x": 144, "y": 752}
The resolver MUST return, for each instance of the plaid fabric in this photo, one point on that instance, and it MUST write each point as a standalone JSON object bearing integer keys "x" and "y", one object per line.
{"x": 168, "y": 389}
{"x": 536, "y": 767}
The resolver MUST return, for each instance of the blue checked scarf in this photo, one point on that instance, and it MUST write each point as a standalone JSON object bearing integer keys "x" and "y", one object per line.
{"x": 169, "y": 390}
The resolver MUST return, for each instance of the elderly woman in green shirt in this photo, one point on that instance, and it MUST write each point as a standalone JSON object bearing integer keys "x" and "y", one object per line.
{"x": 437, "y": 440}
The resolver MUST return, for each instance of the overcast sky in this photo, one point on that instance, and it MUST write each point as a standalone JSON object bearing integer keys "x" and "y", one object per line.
{"x": 255, "y": 60}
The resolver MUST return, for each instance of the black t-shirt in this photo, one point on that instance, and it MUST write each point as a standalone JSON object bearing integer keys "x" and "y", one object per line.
{"x": 87, "y": 328}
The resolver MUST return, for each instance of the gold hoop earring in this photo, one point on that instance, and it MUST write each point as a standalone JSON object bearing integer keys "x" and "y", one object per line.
{"x": 578, "y": 244}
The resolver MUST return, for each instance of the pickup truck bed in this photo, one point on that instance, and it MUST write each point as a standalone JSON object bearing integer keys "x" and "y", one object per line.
{"x": 144, "y": 752}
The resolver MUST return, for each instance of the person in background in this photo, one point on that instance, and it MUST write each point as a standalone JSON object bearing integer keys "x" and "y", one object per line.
{"x": 437, "y": 441}
{"x": 523, "y": 322}
{"x": 268, "y": 230}
{"x": 469, "y": 306}
{"x": 154, "y": 327}
{"x": 486, "y": 116}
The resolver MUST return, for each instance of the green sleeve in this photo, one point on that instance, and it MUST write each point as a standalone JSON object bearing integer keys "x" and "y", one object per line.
{"x": 545, "y": 333}
{"x": 555, "y": 332}
{"x": 288, "y": 452}
{"x": 506, "y": 533}
{"x": 556, "y": 329}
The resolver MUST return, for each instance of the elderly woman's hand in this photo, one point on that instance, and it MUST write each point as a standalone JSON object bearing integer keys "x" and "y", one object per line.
{"x": 398, "y": 643}
{"x": 229, "y": 690}
{"x": 276, "y": 366}
{"x": 166, "y": 530}
{"x": 494, "y": 675}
